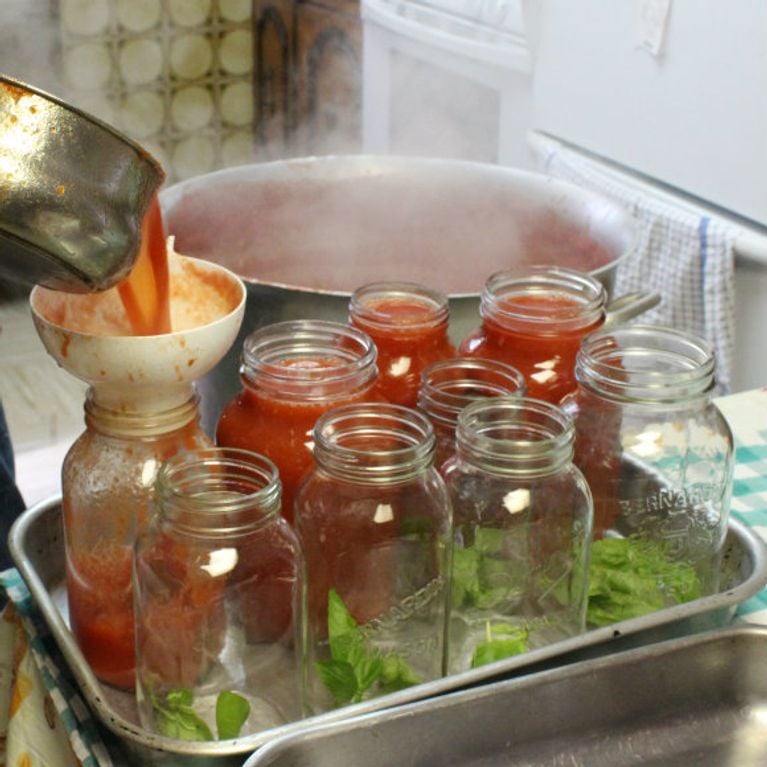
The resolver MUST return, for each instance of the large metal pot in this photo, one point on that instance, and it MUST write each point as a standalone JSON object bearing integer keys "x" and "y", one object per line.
{"x": 305, "y": 233}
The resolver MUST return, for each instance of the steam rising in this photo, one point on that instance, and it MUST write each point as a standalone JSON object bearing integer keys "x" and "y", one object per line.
{"x": 202, "y": 87}
{"x": 336, "y": 223}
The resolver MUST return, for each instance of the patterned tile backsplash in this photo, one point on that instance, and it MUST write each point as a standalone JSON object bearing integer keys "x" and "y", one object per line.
{"x": 175, "y": 75}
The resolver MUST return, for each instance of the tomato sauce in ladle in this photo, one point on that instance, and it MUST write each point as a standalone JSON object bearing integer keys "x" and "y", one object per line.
{"x": 145, "y": 292}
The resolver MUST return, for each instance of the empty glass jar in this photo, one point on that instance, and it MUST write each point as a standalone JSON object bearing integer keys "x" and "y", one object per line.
{"x": 656, "y": 451}
{"x": 449, "y": 385}
{"x": 218, "y": 587}
{"x": 522, "y": 519}
{"x": 374, "y": 521}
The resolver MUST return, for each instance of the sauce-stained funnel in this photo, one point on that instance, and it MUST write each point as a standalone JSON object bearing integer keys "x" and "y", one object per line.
{"x": 89, "y": 336}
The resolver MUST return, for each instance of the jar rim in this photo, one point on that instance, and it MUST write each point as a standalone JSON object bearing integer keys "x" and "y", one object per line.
{"x": 208, "y": 484}
{"x": 295, "y": 355}
{"x": 448, "y": 386}
{"x": 645, "y": 363}
{"x": 515, "y": 435}
{"x": 374, "y": 442}
{"x": 365, "y": 303}
{"x": 585, "y": 296}
{"x": 134, "y": 424}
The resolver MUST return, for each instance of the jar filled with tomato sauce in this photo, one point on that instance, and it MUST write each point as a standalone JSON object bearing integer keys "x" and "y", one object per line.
{"x": 448, "y": 386}
{"x": 218, "y": 589}
{"x": 522, "y": 522}
{"x": 107, "y": 480}
{"x": 534, "y": 319}
{"x": 374, "y": 520}
{"x": 408, "y": 323}
{"x": 293, "y": 372}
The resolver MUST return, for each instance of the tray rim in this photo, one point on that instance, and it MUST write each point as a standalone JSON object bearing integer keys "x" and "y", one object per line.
{"x": 515, "y": 686}
{"x": 484, "y": 675}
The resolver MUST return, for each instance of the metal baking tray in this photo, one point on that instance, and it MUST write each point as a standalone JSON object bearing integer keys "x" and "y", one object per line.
{"x": 698, "y": 700}
{"x": 36, "y": 544}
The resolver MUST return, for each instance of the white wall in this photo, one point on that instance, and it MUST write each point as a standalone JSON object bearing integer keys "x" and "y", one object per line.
{"x": 693, "y": 116}
{"x": 29, "y": 42}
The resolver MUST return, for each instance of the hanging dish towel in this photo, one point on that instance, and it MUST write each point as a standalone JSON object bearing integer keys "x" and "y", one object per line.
{"x": 684, "y": 256}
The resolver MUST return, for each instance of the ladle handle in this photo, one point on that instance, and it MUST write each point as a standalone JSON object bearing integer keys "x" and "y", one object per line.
{"x": 630, "y": 305}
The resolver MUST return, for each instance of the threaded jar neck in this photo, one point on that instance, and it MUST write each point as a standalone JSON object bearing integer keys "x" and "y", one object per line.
{"x": 217, "y": 491}
{"x": 516, "y": 436}
{"x": 405, "y": 308}
{"x": 139, "y": 425}
{"x": 374, "y": 443}
{"x": 308, "y": 359}
{"x": 646, "y": 364}
{"x": 543, "y": 299}
{"x": 448, "y": 386}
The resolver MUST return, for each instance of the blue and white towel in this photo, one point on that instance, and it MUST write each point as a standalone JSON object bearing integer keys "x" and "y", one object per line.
{"x": 45, "y": 720}
{"x": 746, "y": 412}
{"x": 684, "y": 256}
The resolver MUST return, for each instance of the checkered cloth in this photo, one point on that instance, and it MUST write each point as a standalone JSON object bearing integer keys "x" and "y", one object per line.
{"x": 32, "y": 733}
{"x": 746, "y": 412}
{"x": 685, "y": 257}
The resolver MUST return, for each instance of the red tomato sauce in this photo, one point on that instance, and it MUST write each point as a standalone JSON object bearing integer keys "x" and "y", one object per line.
{"x": 145, "y": 292}
{"x": 101, "y": 611}
{"x": 408, "y": 339}
{"x": 280, "y": 427}
{"x": 538, "y": 340}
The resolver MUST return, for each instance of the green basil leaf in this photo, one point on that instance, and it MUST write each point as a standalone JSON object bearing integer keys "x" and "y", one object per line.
{"x": 629, "y": 578}
{"x": 177, "y": 719}
{"x": 396, "y": 674}
{"x": 231, "y": 712}
{"x": 367, "y": 670}
{"x": 497, "y": 649}
{"x": 339, "y": 677}
{"x": 465, "y": 577}
{"x": 489, "y": 540}
{"x": 177, "y": 698}
{"x": 340, "y": 620}
{"x": 346, "y": 640}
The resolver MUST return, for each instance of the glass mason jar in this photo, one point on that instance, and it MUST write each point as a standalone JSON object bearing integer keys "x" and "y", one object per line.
{"x": 448, "y": 386}
{"x": 655, "y": 450}
{"x": 292, "y": 372}
{"x": 522, "y": 520}
{"x": 535, "y": 319}
{"x": 408, "y": 323}
{"x": 218, "y": 587}
{"x": 107, "y": 480}
{"x": 374, "y": 521}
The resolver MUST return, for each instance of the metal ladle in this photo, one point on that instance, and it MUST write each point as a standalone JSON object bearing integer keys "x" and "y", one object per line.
{"x": 73, "y": 193}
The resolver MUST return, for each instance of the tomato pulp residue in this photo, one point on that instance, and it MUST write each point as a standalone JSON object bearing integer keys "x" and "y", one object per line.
{"x": 101, "y": 611}
{"x": 145, "y": 293}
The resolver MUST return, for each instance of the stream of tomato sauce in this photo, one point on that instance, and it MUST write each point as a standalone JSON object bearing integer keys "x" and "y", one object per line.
{"x": 145, "y": 293}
